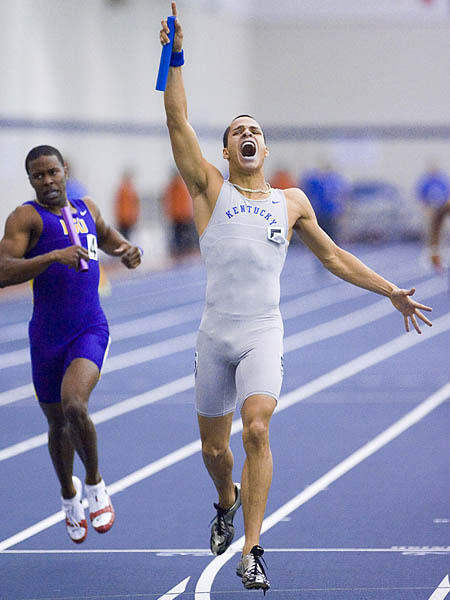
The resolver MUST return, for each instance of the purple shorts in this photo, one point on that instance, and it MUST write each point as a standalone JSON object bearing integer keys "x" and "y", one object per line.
{"x": 49, "y": 362}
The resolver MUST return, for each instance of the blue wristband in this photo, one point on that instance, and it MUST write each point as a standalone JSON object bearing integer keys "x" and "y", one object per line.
{"x": 177, "y": 59}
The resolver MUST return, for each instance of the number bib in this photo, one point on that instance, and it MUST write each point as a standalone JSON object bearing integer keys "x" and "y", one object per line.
{"x": 92, "y": 246}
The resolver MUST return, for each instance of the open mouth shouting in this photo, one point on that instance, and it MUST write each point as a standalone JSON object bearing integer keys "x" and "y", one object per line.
{"x": 248, "y": 149}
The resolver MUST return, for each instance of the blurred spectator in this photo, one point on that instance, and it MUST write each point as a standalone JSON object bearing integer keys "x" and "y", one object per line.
{"x": 282, "y": 179}
{"x": 178, "y": 209}
{"x": 433, "y": 188}
{"x": 74, "y": 188}
{"x": 435, "y": 234}
{"x": 127, "y": 205}
{"x": 326, "y": 190}
{"x": 433, "y": 193}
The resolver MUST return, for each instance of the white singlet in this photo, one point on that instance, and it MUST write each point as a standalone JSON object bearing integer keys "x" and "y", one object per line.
{"x": 239, "y": 346}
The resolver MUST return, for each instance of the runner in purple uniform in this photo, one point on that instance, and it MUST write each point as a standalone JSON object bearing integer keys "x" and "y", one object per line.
{"x": 68, "y": 331}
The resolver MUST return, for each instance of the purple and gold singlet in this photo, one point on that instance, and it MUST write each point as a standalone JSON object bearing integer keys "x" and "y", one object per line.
{"x": 68, "y": 321}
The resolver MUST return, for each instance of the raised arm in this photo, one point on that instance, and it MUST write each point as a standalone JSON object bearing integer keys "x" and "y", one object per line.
{"x": 345, "y": 265}
{"x": 22, "y": 230}
{"x": 202, "y": 179}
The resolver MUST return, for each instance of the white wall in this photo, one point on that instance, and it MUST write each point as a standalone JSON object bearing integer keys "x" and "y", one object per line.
{"x": 341, "y": 74}
{"x": 94, "y": 63}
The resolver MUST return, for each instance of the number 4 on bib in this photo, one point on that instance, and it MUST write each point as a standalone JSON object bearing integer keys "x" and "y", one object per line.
{"x": 92, "y": 246}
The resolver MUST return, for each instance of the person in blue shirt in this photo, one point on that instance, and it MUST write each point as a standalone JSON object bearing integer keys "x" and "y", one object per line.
{"x": 326, "y": 190}
{"x": 433, "y": 192}
{"x": 68, "y": 331}
{"x": 433, "y": 188}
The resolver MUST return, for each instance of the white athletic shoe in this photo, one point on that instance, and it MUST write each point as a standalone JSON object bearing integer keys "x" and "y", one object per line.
{"x": 101, "y": 510}
{"x": 76, "y": 523}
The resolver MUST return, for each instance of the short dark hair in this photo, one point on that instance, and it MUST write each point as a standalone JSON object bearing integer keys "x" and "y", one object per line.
{"x": 227, "y": 130}
{"x": 39, "y": 151}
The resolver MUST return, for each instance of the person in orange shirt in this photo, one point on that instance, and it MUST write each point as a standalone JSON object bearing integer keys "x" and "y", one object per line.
{"x": 282, "y": 179}
{"x": 178, "y": 209}
{"x": 127, "y": 205}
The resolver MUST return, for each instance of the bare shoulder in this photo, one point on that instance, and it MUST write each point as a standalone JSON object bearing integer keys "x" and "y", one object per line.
{"x": 92, "y": 206}
{"x": 24, "y": 217}
{"x": 298, "y": 205}
{"x": 23, "y": 228}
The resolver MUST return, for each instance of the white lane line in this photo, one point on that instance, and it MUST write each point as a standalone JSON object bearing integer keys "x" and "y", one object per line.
{"x": 335, "y": 327}
{"x": 442, "y": 591}
{"x": 120, "y": 408}
{"x": 353, "y": 320}
{"x": 15, "y": 394}
{"x": 200, "y": 552}
{"x": 293, "y": 342}
{"x": 175, "y": 591}
{"x": 204, "y": 584}
{"x": 14, "y": 332}
{"x": 321, "y": 383}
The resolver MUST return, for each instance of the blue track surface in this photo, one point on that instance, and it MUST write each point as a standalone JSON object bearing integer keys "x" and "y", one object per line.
{"x": 345, "y": 520}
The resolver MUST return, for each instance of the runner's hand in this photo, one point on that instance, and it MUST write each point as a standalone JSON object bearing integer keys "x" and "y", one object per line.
{"x": 71, "y": 256}
{"x": 129, "y": 255}
{"x": 164, "y": 33}
{"x": 409, "y": 308}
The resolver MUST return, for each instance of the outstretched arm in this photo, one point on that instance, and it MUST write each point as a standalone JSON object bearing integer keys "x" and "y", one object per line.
{"x": 435, "y": 234}
{"x": 202, "y": 179}
{"x": 345, "y": 265}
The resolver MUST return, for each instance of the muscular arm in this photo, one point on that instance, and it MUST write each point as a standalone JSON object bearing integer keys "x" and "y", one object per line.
{"x": 202, "y": 179}
{"x": 345, "y": 265}
{"x": 21, "y": 226}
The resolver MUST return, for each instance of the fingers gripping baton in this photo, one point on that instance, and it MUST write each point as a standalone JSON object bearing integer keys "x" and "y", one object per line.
{"x": 73, "y": 235}
{"x": 166, "y": 53}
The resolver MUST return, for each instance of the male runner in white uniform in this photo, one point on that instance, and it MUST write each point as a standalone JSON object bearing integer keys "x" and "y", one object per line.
{"x": 244, "y": 229}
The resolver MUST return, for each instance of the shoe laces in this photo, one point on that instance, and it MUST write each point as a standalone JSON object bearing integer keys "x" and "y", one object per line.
{"x": 257, "y": 564}
{"x": 220, "y": 525}
{"x": 70, "y": 515}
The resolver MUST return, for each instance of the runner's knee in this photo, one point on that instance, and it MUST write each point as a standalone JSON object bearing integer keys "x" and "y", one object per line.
{"x": 255, "y": 434}
{"x": 75, "y": 409}
{"x": 212, "y": 450}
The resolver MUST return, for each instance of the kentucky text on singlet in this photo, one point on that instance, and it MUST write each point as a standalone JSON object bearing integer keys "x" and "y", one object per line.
{"x": 66, "y": 302}
{"x": 244, "y": 248}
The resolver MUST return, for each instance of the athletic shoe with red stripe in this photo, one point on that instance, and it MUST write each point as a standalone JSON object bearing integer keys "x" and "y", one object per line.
{"x": 101, "y": 510}
{"x": 76, "y": 523}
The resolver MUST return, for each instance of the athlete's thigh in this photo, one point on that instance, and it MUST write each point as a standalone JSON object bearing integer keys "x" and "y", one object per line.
{"x": 79, "y": 380}
{"x": 92, "y": 344}
{"x": 261, "y": 369}
{"x": 83, "y": 362}
{"x": 215, "y": 387}
{"x": 47, "y": 367}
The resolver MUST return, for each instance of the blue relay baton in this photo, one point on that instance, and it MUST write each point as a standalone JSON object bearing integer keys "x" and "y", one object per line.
{"x": 166, "y": 53}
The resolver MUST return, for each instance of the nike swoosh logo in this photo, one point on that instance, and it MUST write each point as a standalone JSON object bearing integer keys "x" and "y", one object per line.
{"x": 275, "y": 202}
{"x": 83, "y": 212}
